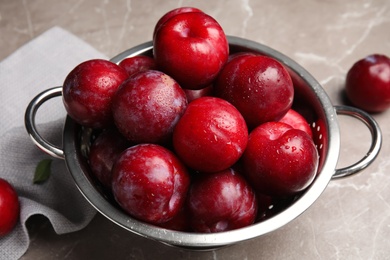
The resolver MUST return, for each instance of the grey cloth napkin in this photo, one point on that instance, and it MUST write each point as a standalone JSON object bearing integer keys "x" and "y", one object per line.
{"x": 42, "y": 63}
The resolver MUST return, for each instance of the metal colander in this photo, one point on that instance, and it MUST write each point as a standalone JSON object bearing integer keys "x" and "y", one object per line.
{"x": 310, "y": 100}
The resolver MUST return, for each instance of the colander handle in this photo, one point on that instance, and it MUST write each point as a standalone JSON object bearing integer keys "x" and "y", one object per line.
{"x": 376, "y": 143}
{"x": 29, "y": 121}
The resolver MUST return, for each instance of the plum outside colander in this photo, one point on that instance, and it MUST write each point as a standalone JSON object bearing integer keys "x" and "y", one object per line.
{"x": 310, "y": 100}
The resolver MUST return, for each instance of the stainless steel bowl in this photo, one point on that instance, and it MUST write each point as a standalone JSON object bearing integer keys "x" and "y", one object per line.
{"x": 310, "y": 99}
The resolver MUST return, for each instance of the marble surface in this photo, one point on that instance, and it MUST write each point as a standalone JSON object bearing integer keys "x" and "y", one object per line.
{"x": 351, "y": 219}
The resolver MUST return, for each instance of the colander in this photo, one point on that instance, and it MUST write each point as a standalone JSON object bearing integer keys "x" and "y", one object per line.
{"x": 310, "y": 100}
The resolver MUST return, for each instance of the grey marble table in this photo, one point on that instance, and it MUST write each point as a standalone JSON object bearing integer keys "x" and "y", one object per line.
{"x": 351, "y": 220}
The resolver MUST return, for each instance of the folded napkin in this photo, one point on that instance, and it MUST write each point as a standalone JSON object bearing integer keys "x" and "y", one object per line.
{"x": 40, "y": 64}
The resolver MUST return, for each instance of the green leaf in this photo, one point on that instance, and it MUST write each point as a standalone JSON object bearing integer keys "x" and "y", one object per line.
{"x": 42, "y": 171}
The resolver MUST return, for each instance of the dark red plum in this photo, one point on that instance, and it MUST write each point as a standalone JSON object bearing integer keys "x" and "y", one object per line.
{"x": 172, "y": 13}
{"x": 297, "y": 121}
{"x": 103, "y": 153}
{"x": 150, "y": 183}
{"x": 211, "y": 135}
{"x": 192, "y": 48}
{"x": 138, "y": 63}
{"x": 367, "y": 84}
{"x": 221, "y": 201}
{"x": 9, "y": 207}
{"x": 88, "y": 91}
{"x": 258, "y": 86}
{"x": 147, "y": 107}
{"x": 280, "y": 160}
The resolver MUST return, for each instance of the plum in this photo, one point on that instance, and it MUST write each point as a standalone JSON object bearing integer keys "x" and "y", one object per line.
{"x": 147, "y": 107}
{"x": 150, "y": 183}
